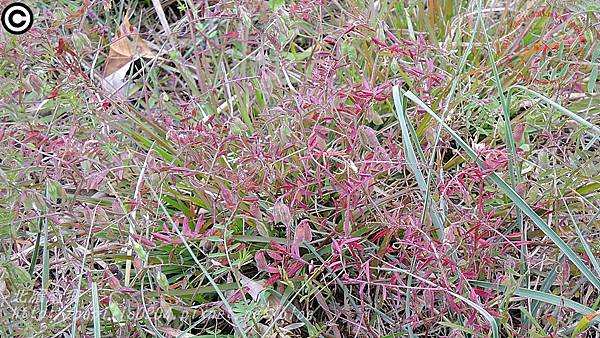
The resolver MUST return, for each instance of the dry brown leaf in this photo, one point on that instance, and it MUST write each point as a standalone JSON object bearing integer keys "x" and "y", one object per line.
{"x": 126, "y": 46}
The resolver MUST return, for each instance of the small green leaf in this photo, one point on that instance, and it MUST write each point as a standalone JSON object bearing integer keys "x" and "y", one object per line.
{"x": 581, "y": 326}
{"x": 139, "y": 250}
{"x": 55, "y": 191}
{"x": 19, "y": 278}
{"x": 162, "y": 280}
{"x": 117, "y": 315}
{"x": 6, "y": 224}
{"x": 349, "y": 50}
{"x": 276, "y": 4}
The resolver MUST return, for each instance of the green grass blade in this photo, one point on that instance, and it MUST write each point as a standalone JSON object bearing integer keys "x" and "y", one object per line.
{"x": 549, "y": 280}
{"x": 584, "y": 242}
{"x": 45, "y": 267}
{"x": 96, "y": 310}
{"x": 80, "y": 278}
{"x": 593, "y": 128}
{"x": 531, "y": 319}
{"x": 413, "y": 162}
{"x": 547, "y": 284}
{"x": 411, "y": 30}
{"x": 513, "y": 166}
{"x": 36, "y": 249}
{"x": 516, "y": 198}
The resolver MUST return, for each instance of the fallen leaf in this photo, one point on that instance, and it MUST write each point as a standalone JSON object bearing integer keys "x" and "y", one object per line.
{"x": 126, "y": 47}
